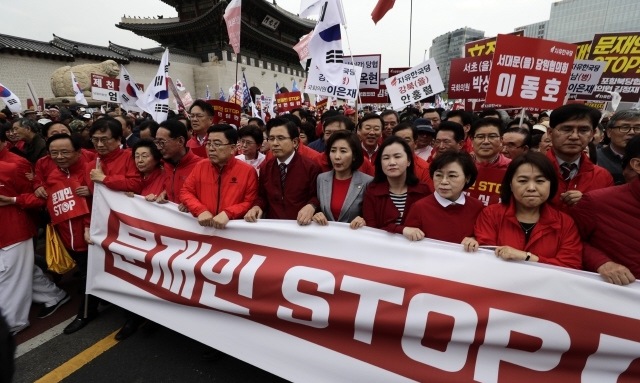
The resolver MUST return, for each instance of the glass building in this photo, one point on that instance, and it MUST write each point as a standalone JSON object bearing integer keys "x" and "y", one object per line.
{"x": 449, "y": 46}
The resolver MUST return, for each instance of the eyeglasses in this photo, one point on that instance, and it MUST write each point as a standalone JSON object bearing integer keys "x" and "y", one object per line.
{"x": 482, "y": 137}
{"x": 63, "y": 154}
{"x": 568, "y": 130}
{"x": 198, "y": 116}
{"x": 161, "y": 143}
{"x": 102, "y": 140}
{"x": 216, "y": 144}
{"x": 628, "y": 128}
{"x": 278, "y": 138}
{"x": 246, "y": 142}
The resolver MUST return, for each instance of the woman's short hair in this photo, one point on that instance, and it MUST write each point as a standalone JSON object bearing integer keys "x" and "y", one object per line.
{"x": 153, "y": 148}
{"x": 536, "y": 159}
{"x": 463, "y": 159}
{"x": 412, "y": 180}
{"x": 356, "y": 149}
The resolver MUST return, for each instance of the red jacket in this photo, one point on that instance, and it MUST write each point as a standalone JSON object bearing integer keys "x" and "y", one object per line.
{"x": 196, "y": 148}
{"x": 590, "y": 177}
{"x": 554, "y": 239}
{"x": 365, "y": 168}
{"x": 176, "y": 174}
{"x": 299, "y": 188}
{"x": 154, "y": 183}
{"x": 421, "y": 168}
{"x": 18, "y": 225}
{"x": 609, "y": 222}
{"x": 46, "y": 164}
{"x": 71, "y": 230}
{"x": 489, "y": 180}
{"x": 379, "y": 211}
{"x": 120, "y": 170}
{"x": 232, "y": 189}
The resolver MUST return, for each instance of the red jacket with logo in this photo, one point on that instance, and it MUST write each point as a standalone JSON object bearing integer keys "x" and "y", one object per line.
{"x": 589, "y": 177}
{"x": 46, "y": 164}
{"x": 120, "y": 170}
{"x": 176, "y": 174}
{"x": 554, "y": 239}
{"x": 18, "y": 225}
{"x": 232, "y": 189}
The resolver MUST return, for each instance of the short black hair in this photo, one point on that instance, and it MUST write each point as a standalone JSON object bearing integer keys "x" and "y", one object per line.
{"x": 48, "y": 125}
{"x": 524, "y": 131}
{"x": 292, "y": 128}
{"x": 153, "y": 128}
{"x": 205, "y": 106}
{"x": 463, "y": 159}
{"x": 411, "y": 180}
{"x": 153, "y": 148}
{"x": 75, "y": 140}
{"x": 536, "y": 159}
{"x": 572, "y": 112}
{"x": 406, "y": 125}
{"x": 370, "y": 116}
{"x": 465, "y": 117}
{"x": 258, "y": 120}
{"x": 489, "y": 112}
{"x": 482, "y": 122}
{"x": 176, "y": 129}
{"x": 457, "y": 129}
{"x": 632, "y": 150}
{"x": 253, "y": 132}
{"x": 390, "y": 112}
{"x": 107, "y": 123}
{"x": 230, "y": 133}
{"x": 293, "y": 118}
{"x": 357, "y": 157}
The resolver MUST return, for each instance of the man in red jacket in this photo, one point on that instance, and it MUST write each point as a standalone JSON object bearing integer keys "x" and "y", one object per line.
{"x": 608, "y": 220}
{"x": 179, "y": 161}
{"x": 223, "y": 188}
{"x": 20, "y": 280}
{"x": 287, "y": 180}
{"x": 201, "y": 115}
{"x": 571, "y": 129}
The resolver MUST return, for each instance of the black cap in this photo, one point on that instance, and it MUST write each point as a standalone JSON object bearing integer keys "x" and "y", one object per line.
{"x": 423, "y": 125}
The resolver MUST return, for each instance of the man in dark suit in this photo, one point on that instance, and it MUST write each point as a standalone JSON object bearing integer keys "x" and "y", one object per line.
{"x": 128, "y": 137}
{"x": 287, "y": 180}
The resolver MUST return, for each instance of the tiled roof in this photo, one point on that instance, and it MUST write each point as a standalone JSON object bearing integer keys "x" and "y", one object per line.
{"x": 179, "y": 27}
{"x": 173, "y": 50}
{"x": 77, "y": 48}
{"x": 133, "y": 54}
{"x": 20, "y": 45}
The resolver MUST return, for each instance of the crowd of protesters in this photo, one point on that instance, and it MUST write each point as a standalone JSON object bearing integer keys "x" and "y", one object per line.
{"x": 559, "y": 187}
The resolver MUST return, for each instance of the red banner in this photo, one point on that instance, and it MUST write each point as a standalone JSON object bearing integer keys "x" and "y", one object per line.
{"x": 375, "y": 96}
{"x": 621, "y": 52}
{"x": 530, "y": 72}
{"x": 469, "y": 77}
{"x": 286, "y": 102}
{"x": 225, "y": 112}
{"x": 63, "y": 202}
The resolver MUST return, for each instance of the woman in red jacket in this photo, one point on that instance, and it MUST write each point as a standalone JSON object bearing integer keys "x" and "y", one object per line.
{"x": 394, "y": 189}
{"x": 524, "y": 226}
{"x": 148, "y": 160}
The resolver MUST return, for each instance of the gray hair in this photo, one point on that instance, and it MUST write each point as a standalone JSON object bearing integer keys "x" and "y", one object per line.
{"x": 623, "y": 115}
{"x": 29, "y": 124}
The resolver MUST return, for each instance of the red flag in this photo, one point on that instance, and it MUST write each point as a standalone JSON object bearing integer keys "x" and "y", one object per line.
{"x": 232, "y": 18}
{"x": 381, "y": 9}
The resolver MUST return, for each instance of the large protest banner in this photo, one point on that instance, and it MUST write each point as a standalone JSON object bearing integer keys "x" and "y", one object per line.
{"x": 414, "y": 84}
{"x": 621, "y": 53}
{"x": 330, "y": 304}
{"x": 530, "y": 72}
{"x": 318, "y": 84}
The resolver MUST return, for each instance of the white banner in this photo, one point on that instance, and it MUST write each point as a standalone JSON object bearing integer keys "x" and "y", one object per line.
{"x": 370, "y": 64}
{"x": 585, "y": 76}
{"x": 105, "y": 88}
{"x": 414, "y": 84}
{"x": 330, "y": 304}
{"x": 317, "y": 83}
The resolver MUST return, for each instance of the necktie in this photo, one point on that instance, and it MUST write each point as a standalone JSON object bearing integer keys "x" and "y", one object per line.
{"x": 566, "y": 169}
{"x": 283, "y": 174}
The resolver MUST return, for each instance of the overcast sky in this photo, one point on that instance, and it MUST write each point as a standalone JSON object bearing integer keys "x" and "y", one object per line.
{"x": 94, "y": 22}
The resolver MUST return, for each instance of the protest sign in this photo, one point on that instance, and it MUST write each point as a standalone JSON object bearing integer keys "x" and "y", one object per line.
{"x": 415, "y": 84}
{"x": 286, "y": 102}
{"x": 105, "y": 88}
{"x": 484, "y": 47}
{"x": 469, "y": 77}
{"x": 330, "y": 304}
{"x": 370, "y": 64}
{"x": 317, "y": 83}
{"x": 585, "y": 76}
{"x": 375, "y": 96}
{"x": 225, "y": 111}
{"x": 530, "y": 72}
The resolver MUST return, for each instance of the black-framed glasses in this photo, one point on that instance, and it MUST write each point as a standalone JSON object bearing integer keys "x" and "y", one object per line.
{"x": 627, "y": 128}
{"x": 216, "y": 144}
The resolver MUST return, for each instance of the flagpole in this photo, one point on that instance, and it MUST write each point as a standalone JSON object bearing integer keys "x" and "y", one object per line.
{"x": 235, "y": 91}
{"x": 410, "y": 27}
{"x": 349, "y": 45}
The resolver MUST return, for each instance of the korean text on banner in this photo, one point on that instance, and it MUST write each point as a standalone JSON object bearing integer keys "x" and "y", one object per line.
{"x": 391, "y": 311}
{"x": 621, "y": 53}
{"x": 286, "y": 102}
{"x": 375, "y": 96}
{"x": 530, "y": 72}
{"x": 370, "y": 64}
{"x": 348, "y": 90}
{"x": 105, "y": 88}
{"x": 225, "y": 111}
{"x": 469, "y": 77}
{"x": 484, "y": 47}
{"x": 585, "y": 76}
{"x": 414, "y": 84}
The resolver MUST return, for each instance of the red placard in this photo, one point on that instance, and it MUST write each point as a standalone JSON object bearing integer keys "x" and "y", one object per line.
{"x": 396, "y": 71}
{"x": 375, "y": 96}
{"x": 530, "y": 72}
{"x": 469, "y": 77}
{"x": 39, "y": 107}
{"x": 64, "y": 203}
{"x": 289, "y": 101}
{"x": 225, "y": 112}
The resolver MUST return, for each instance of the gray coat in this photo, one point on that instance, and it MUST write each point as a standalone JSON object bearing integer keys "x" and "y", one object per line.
{"x": 352, "y": 206}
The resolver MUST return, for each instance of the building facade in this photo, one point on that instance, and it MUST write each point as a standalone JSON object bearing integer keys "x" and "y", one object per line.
{"x": 535, "y": 30}
{"x": 449, "y": 46}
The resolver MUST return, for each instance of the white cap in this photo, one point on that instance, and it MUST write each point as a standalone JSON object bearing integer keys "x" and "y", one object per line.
{"x": 44, "y": 121}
